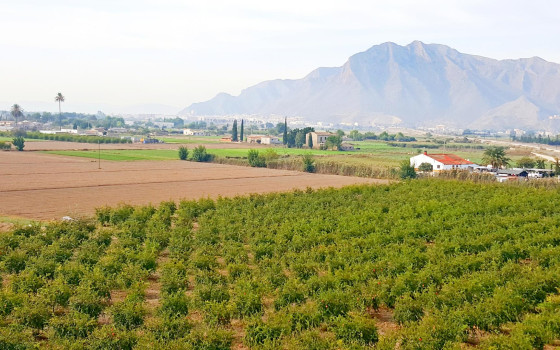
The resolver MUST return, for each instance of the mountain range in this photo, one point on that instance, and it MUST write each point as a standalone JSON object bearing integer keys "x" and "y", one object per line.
{"x": 414, "y": 85}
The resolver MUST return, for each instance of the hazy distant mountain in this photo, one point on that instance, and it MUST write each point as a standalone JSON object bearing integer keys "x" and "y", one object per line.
{"x": 417, "y": 84}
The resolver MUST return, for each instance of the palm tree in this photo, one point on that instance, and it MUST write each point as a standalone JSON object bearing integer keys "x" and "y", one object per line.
{"x": 59, "y": 98}
{"x": 17, "y": 112}
{"x": 496, "y": 156}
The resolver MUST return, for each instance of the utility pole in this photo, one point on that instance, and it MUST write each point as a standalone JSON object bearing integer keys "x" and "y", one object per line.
{"x": 99, "y": 154}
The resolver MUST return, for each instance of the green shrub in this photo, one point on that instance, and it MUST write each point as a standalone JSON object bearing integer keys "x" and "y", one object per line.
{"x": 128, "y": 314}
{"x": 15, "y": 337}
{"x": 33, "y": 313}
{"x": 15, "y": 261}
{"x": 357, "y": 329}
{"x": 312, "y": 340}
{"x": 217, "y": 293}
{"x": 408, "y": 310}
{"x": 238, "y": 270}
{"x": 406, "y": 171}
{"x": 293, "y": 291}
{"x": 183, "y": 153}
{"x": 333, "y": 303}
{"x": 247, "y": 303}
{"x": 304, "y": 317}
{"x": 27, "y": 282}
{"x": 168, "y": 328}
{"x": 260, "y": 333}
{"x": 107, "y": 337}
{"x": 19, "y": 143}
{"x": 425, "y": 167}
{"x": 73, "y": 325}
{"x": 199, "y": 154}
{"x": 308, "y": 163}
{"x": 256, "y": 160}
{"x": 175, "y": 304}
{"x": 210, "y": 339}
{"x": 173, "y": 277}
{"x": 87, "y": 301}
{"x": 217, "y": 312}
{"x": 56, "y": 293}
{"x": 8, "y": 302}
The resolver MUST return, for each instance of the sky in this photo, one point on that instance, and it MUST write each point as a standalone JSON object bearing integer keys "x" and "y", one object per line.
{"x": 126, "y": 55}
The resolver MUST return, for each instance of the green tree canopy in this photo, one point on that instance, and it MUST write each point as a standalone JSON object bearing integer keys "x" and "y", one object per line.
{"x": 334, "y": 142}
{"x": 525, "y": 162}
{"x": 496, "y": 156}
{"x": 16, "y": 112}
{"x": 425, "y": 167}
{"x": 234, "y": 131}
{"x": 407, "y": 171}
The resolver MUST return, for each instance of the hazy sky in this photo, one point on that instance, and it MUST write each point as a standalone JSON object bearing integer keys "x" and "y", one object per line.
{"x": 110, "y": 52}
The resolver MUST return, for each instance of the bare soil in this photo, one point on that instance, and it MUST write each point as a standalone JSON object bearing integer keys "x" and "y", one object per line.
{"x": 44, "y": 187}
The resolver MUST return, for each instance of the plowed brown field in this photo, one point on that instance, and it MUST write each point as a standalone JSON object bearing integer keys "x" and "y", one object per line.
{"x": 42, "y": 186}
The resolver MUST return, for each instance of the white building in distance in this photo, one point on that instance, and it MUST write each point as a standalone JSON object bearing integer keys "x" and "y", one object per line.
{"x": 441, "y": 161}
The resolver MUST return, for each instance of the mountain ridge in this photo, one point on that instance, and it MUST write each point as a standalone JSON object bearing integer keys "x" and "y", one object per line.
{"x": 417, "y": 84}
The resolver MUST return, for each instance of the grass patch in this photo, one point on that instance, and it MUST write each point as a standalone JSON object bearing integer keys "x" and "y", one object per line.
{"x": 190, "y": 139}
{"x": 15, "y": 220}
{"x": 122, "y": 155}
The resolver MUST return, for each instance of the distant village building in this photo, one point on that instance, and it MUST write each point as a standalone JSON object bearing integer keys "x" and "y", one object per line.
{"x": 6, "y": 125}
{"x": 255, "y": 138}
{"x": 193, "y": 132}
{"x": 270, "y": 140}
{"x": 442, "y": 161}
{"x": 346, "y": 147}
{"x": 318, "y": 138}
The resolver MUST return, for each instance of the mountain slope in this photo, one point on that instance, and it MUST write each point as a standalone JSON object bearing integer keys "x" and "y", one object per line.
{"x": 417, "y": 84}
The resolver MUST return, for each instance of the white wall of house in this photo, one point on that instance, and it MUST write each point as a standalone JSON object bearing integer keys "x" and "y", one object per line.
{"x": 422, "y": 158}
{"x": 437, "y": 166}
{"x": 270, "y": 140}
{"x": 191, "y": 132}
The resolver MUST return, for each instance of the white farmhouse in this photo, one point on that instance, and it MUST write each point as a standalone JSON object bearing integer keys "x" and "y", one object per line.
{"x": 192, "y": 132}
{"x": 441, "y": 161}
{"x": 270, "y": 140}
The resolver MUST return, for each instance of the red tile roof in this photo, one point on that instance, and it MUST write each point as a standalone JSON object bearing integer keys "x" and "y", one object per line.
{"x": 449, "y": 159}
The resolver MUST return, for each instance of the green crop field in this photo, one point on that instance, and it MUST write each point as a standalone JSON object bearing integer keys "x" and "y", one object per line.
{"x": 190, "y": 139}
{"x": 420, "y": 264}
{"x": 121, "y": 155}
{"x": 368, "y": 154}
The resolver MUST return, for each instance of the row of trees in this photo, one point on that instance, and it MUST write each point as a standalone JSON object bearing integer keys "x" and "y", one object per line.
{"x": 531, "y": 138}
{"x": 383, "y": 136}
{"x": 497, "y": 157}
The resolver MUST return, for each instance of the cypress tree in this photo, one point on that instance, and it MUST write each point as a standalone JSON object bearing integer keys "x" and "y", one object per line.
{"x": 234, "y": 131}
{"x": 285, "y": 136}
{"x": 241, "y": 134}
{"x": 310, "y": 141}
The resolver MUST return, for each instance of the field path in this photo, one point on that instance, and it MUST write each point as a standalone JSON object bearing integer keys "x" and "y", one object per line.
{"x": 44, "y": 186}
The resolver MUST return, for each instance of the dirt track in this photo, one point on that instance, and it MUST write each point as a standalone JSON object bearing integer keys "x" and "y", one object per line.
{"x": 41, "y": 186}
